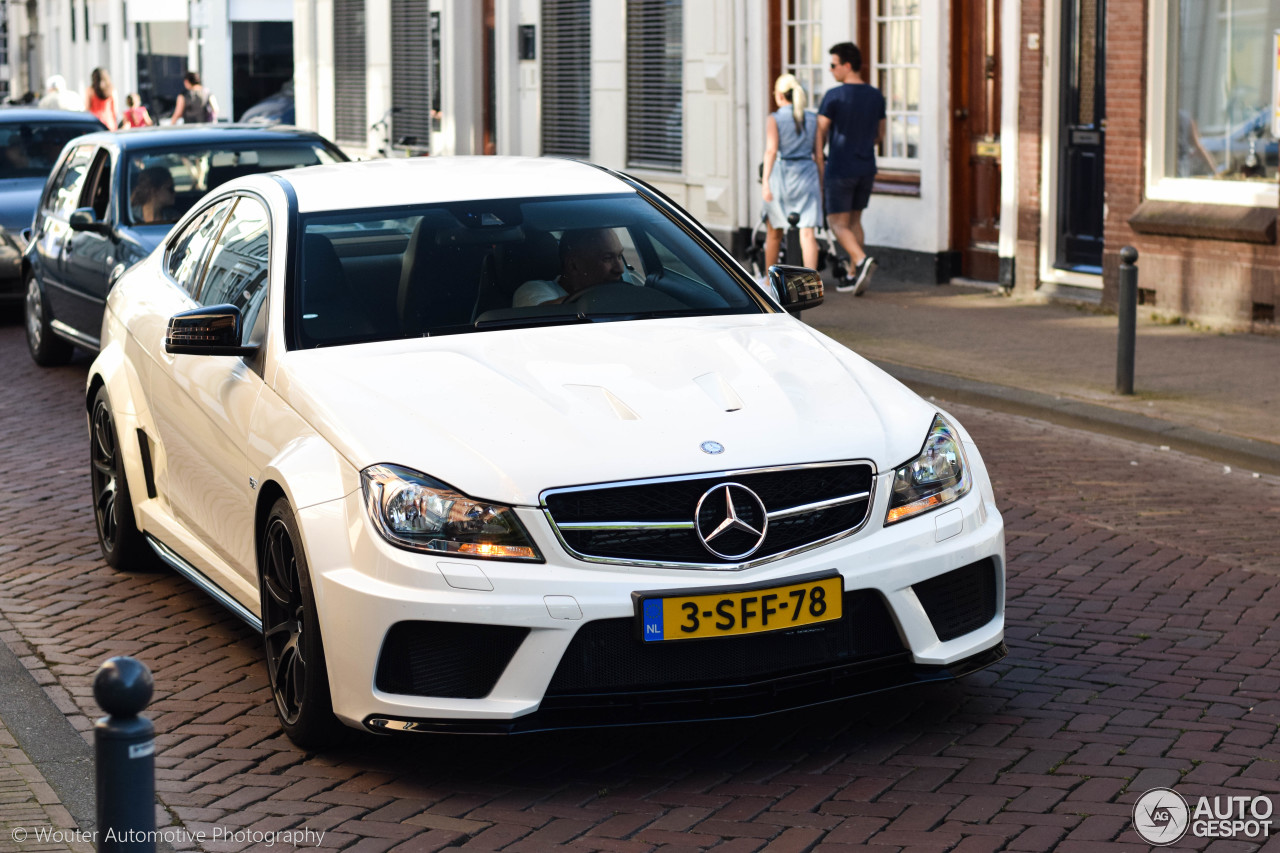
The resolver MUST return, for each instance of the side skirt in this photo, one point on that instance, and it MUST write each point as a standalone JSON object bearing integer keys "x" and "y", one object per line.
{"x": 193, "y": 574}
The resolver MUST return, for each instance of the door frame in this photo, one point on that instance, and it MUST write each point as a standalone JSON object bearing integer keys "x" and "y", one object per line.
{"x": 1051, "y": 112}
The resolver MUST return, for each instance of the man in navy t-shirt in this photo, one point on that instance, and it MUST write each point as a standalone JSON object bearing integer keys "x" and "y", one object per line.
{"x": 851, "y": 123}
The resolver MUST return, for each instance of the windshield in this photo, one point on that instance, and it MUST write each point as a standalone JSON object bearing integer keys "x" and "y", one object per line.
{"x": 373, "y": 275}
{"x": 30, "y": 149}
{"x": 163, "y": 185}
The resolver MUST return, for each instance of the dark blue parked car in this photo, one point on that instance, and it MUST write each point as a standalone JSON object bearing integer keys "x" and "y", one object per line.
{"x": 30, "y": 142}
{"x": 112, "y": 199}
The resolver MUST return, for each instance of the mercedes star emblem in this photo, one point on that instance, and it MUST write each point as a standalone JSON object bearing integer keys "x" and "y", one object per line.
{"x": 733, "y": 518}
{"x": 712, "y": 447}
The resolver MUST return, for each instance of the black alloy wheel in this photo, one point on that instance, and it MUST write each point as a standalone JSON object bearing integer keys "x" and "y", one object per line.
{"x": 46, "y": 348}
{"x": 291, "y": 635}
{"x": 123, "y": 545}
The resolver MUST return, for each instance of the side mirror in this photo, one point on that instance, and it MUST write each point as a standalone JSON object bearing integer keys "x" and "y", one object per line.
{"x": 797, "y": 287}
{"x": 84, "y": 219}
{"x": 206, "y": 331}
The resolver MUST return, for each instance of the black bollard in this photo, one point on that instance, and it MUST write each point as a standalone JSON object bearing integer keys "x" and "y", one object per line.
{"x": 795, "y": 255}
{"x": 124, "y": 753}
{"x": 1127, "y": 309}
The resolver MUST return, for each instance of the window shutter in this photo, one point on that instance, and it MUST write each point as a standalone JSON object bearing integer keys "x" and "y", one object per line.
{"x": 655, "y": 84}
{"x": 566, "y": 77}
{"x": 411, "y": 64}
{"x": 350, "y": 117}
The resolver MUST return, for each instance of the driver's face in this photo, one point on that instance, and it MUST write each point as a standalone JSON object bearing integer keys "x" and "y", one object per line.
{"x": 599, "y": 261}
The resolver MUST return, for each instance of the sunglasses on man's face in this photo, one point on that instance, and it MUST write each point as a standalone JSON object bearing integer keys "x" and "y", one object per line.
{"x": 834, "y": 65}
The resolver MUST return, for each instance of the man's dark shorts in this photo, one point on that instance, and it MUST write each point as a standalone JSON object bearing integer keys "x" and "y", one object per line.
{"x": 845, "y": 194}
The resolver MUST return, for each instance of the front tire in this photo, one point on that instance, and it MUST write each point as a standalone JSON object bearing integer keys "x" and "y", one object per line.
{"x": 46, "y": 348}
{"x": 291, "y": 635}
{"x": 123, "y": 545}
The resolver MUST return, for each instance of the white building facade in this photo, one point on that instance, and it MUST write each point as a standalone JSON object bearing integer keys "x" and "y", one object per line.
{"x": 677, "y": 93}
{"x": 242, "y": 49}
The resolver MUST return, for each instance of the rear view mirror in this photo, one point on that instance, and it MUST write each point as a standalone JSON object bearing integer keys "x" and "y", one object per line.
{"x": 797, "y": 287}
{"x": 206, "y": 331}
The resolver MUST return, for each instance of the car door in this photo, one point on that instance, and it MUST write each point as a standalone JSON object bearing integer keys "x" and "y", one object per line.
{"x": 204, "y": 404}
{"x": 88, "y": 256}
{"x": 53, "y": 229}
{"x": 182, "y": 268}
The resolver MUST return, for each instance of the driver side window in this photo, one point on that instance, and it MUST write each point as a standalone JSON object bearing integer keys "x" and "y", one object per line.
{"x": 185, "y": 263}
{"x": 65, "y": 194}
{"x": 238, "y": 271}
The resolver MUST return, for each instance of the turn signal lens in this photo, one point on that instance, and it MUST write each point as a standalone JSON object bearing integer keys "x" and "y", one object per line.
{"x": 420, "y": 513}
{"x": 938, "y": 476}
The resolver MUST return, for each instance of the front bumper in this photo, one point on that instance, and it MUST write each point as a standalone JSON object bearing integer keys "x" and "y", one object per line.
{"x": 894, "y": 625}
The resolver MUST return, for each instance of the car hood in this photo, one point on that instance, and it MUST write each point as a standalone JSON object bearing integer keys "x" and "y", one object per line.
{"x": 502, "y": 415}
{"x": 18, "y": 200}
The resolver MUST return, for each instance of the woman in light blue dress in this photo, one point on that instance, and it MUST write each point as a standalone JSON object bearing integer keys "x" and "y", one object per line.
{"x": 790, "y": 177}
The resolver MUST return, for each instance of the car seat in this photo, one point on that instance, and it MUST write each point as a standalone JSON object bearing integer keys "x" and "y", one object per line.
{"x": 330, "y": 311}
{"x": 510, "y": 265}
{"x": 439, "y": 280}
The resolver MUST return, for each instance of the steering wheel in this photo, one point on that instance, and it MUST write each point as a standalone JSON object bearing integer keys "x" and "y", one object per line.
{"x": 595, "y": 288}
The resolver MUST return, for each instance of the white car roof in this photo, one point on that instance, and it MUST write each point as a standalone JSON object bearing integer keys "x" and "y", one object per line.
{"x": 387, "y": 183}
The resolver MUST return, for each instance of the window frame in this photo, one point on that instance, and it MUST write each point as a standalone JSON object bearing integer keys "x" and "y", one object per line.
{"x": 1158, "y": 186}
{"x": 878, "y": 65}
{"x": 814, "y": 76}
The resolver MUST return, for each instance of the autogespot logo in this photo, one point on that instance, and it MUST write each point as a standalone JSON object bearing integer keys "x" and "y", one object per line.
{"x": 1161, "y": 816}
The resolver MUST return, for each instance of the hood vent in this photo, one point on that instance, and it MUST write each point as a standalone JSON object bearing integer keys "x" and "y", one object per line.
{"x": 720, "y": 392}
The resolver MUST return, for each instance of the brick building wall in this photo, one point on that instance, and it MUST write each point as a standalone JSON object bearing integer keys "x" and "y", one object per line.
{"x": 1227, "y": 282}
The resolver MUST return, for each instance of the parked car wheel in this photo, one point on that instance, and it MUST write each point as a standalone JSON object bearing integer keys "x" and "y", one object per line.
{"x": 47, "y": 349}
{"x": 291, "y": 635}
{"x": 123, "y": 545}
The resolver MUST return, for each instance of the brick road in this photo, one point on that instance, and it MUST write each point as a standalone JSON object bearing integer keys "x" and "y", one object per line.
{"x": 1141, "y": 627}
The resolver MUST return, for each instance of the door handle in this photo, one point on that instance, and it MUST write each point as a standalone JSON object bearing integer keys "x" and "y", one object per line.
{"x": 962, "y": 113}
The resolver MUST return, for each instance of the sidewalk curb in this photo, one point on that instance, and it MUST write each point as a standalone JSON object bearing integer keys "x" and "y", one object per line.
{"x": 48, "y": 739}
{"x": 1259, "y": 456}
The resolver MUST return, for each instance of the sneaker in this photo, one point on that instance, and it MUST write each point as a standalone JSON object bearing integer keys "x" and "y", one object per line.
{"x": 862, "y": 275}
{"x": 845, "y": 283}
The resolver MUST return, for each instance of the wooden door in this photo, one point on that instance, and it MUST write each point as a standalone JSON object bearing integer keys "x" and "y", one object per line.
{"x": 975, "y": 135}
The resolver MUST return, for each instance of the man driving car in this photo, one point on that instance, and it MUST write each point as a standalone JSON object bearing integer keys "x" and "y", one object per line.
{"x": 588, "y": 257}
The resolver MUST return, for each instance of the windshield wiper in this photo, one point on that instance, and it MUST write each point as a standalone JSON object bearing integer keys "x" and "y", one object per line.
{"x": 536, "y": 320}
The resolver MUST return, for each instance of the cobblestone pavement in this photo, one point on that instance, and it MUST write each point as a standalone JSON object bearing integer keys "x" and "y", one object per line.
{"x": 1143, "y": 588}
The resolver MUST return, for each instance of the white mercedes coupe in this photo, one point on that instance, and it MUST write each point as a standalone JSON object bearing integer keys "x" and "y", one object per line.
{"x": 503, "y": 444}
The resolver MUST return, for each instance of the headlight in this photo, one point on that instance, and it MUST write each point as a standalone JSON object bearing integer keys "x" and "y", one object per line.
{"x": 938, "y": 476}
{"x": 414, "y": 511}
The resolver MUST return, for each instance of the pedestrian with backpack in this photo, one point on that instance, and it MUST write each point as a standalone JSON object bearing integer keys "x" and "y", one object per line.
{"x": 195, "y": 105}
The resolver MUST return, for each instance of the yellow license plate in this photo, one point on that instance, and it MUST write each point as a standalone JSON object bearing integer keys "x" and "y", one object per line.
{"x": 752, "y": 611}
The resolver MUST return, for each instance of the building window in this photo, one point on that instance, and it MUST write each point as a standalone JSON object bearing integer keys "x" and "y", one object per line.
{"x": 412, "y": 66}
{"x": 896, "y": 73}
{"x": 566, "y": 77}
{"x": 1222, "y": 60}
{"x": 350, "y": 117}
{"x": 655, "y": 84}
{"x": 803, "y": 53}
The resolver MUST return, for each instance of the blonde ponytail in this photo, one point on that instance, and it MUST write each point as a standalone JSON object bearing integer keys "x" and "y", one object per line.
{"x": 788, "y": 86}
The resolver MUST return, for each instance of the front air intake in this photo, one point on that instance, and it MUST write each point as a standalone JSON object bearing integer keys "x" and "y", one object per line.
{"x": 446, "y": 659}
